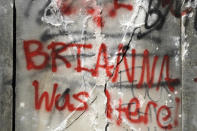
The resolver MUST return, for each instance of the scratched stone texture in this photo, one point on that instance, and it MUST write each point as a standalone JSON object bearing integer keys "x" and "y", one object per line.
{"x": 98, "y": 23}
{"x": 189, "y": 69}
{"x": 6, "y": 37}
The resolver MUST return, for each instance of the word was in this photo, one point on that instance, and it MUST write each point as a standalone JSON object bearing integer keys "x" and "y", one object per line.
{"x": 55, "y": 98}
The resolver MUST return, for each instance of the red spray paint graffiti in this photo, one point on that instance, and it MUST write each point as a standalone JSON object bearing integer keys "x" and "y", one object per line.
{"x": 70, "y": 7}
{"x": 132, "y": 116}
{"x": 56, "y": 54}
{"x": 56, "y": 97}
{"x": 135, "y": 117}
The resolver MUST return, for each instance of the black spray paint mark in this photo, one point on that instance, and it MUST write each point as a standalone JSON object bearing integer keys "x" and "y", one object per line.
{"x": 80, "y": 114}
{"x": 161, "y": 9}
{"x": 195, "y": 21}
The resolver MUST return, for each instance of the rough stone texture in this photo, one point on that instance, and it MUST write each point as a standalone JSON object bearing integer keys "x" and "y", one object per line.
{"x": 189, "y": 47}
{"x": 6, "y": 41}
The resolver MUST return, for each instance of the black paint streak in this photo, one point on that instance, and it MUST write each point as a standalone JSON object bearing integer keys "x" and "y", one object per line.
{"x": 129, "y": 69}
{"x": 161, "y": 9}
{"x": 81, "y": 55}
{"x": 14, "y": 67}
{"x": 171, "y": 53}
{"x": 47, "y": 35}
{"x": 195, "y": 21}
{"x": 107, "y": 125}
{"x": 105, "y": 88}
{"x": 163, "y": 83}
{"x": 67, "y": 91}
{"x": 80, "y": 114}
{"x": 90, "y": 35}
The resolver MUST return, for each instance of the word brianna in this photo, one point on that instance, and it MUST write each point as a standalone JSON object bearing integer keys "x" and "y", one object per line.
{"x": 60, "y": 47}
{"x": 131, "y": 111}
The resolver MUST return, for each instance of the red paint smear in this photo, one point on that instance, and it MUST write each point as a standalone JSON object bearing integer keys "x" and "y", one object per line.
{"x": 109, "y": 109}
{"x": 119, "y": 5}
{"x": 67, "y": 9}
{"x": 176, "y": 111}
{"x": 185, "y": 12}
{"x": 99, "y": 21}
{"x": 195, "y": 79}
{"x": 112, "y": 13}
{"x": 165, "y": 2}
{"x": 90, "y": 11}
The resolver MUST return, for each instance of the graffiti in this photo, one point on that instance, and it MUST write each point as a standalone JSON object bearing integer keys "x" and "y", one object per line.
{"x": 55, "y": 99}
{"x": 195, "y": 21}
{"x": 55, "y": 54}
{"x": 83, "y": 46}
{"x": 160, "y": 9}
{"x": 71, "y": 7}
{"x": 134, "y": 102}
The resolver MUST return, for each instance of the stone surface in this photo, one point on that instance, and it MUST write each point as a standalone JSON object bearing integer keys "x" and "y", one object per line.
{"x": 6, "y": 37}
{"x": 189, "y": 71}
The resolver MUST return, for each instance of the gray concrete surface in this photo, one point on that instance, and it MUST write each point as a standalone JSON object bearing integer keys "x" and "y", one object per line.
{"x": 6, "y": 64}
